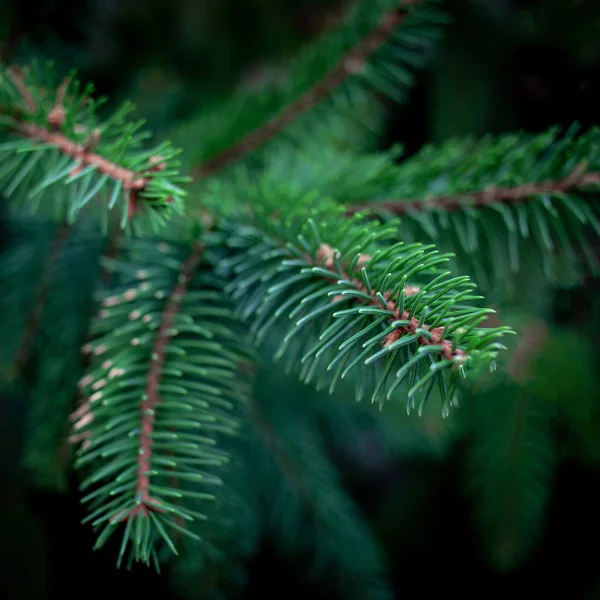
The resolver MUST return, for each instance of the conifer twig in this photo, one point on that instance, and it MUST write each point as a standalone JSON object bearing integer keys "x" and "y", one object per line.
{"x": 130, "y": 180}
{"x": 350, "y": 64}
{"x": 133, "y": 182}
{"x": 326, "y": 256}
{"x": 578, "y": 179}
{"x": 151, "y": 399}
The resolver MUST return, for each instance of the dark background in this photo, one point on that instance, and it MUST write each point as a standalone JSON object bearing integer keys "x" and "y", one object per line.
{"x": 504, "y": 65}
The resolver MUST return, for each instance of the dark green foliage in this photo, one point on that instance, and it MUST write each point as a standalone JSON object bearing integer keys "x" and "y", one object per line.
{"x": 548, "y": 221}
{"x": 346, "y": 307}
{"x": 217, "y": 568}
{"x": 510, "y": 470}
{"x": 195, "y": 379}
{"x": 57, "y": 358}
{"x": 327, "y": 92}
{"x": 306, "y": 506}
{"x": 289, "y": 242}
{"x": 59, "y": 157}
{"x": 21, "y": 270}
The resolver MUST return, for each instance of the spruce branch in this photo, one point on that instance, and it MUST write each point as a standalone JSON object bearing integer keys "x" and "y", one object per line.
{"x": 24, "y": 281}
{"x": 276, "y": 448}
{"x": 378, "y": 318}
{"x": 55, "y": 142}
{"x": 578, "y": 180}
{"x": 151, "y": 399}
{"x": 56, "y": 364}
{"x": 161, "y": 388}
{"x": 524, "y": 199}
{"x": 511, "y": 463}
{"x": 307, "y": 506}
{"x": 333, "y": 88}
{"x": 352, "y": 62}
{"x": 421, "y": 331}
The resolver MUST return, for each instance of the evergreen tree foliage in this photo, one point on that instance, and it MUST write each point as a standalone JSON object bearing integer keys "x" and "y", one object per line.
{"x": 143, "y": 285}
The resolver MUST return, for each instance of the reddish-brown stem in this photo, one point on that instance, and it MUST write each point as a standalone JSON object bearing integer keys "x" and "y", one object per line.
{"x": 350, "y": 64}
{"x": 326, "y": 256}
{"x": 79, "y": 152}
{"x": 35, "y": 318}
{"x": 151, "y": 399}
{"x": 507, "y": 195}
{"x": 133, "y": 182}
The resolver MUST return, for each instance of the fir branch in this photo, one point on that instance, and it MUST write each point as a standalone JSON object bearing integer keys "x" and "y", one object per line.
{"x": 165, "y": 337}
{"x": 151, "y": 399}
{"x": 58, "y": 362}
{"x": 525, "y": 200}
{"x": 414, "y": 327}
{"x": 87, "y": 158}
{"x": 307, "y": 506}
{"x": 578, "y": 180}
{"x": 333, "y": 90}
{"x": 353, "y": 62}
{"x": 511, "y": 462}
{"x": 375, "y": 318}
{"x": 270, "y": 438}
{"x": 23, "y": 274}
{"x": 55, "y": 138}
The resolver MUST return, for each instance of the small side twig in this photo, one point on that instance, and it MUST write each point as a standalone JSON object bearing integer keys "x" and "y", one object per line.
{"x": 352, "y": 63}
{"x": 151, "y": 399}
{"x": 325, "y": 255}
{"x": 133, "y": 182}
{"x": 577, "y": 179}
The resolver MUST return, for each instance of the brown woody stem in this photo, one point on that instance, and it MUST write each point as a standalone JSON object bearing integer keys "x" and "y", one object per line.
{"x": 326, "y": 254}
{"x": 350, "y": 64}
{"x": 133, "y": 182}
{"x": 79, "y": 152}
{"x": 507, "y": 195}
{"x": 151, "y": 399}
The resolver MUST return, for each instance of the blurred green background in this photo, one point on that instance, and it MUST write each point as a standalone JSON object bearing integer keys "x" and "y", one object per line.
{"x": 503, "y": 65}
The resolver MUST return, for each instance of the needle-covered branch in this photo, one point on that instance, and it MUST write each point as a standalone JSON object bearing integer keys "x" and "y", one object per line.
{"x": 349, "y": 298}
{"x": 373, "y": 52}
{"x": 160, "y": 391}
{"x": 59, "y": 158}
{"x": 512, "y": 199}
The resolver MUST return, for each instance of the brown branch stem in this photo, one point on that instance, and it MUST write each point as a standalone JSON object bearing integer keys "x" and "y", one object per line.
{"x": 352, "y": 63}
{"x": 151, "y": 399}
{"x": 84, "y": 153}
{"x": 508, "y": 195}
{"x": 326, "y": 254}
{"x": 79, "y": 152}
